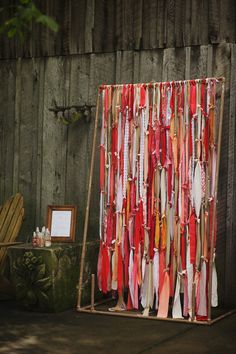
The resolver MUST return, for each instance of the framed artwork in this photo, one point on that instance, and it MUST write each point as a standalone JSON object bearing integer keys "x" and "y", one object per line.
{"x": 61, "y": 221}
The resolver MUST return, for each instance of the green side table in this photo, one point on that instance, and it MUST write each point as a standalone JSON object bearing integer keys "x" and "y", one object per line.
{"x": 45, "y": 279}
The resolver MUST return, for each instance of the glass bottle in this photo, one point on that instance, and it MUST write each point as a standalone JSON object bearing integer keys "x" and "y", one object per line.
{"x": 47, "y": 238}
{"x": 37, "y": 243}
{"x": 34, "y": 240}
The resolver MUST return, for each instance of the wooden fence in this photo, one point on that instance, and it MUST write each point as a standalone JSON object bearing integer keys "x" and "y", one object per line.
{"x": 99, "y": 26}
{"x": 48, "y": 162}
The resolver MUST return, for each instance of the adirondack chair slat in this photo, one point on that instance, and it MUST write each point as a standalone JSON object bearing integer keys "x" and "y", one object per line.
{"x": 3, "y": 214}
{"x": 19, "y": 211}
{"x": 11, "y": 217}
{"x": 12, "y": 234}
{"x": 13, "y": 211}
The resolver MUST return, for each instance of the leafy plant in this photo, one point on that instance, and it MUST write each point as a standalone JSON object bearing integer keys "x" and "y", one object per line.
{"x": 24, "y": 14}
{"x": 32, "y": 283}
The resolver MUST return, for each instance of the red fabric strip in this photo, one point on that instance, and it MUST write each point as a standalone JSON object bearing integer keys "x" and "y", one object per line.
{"x": 105, "y": 269}
{"x": 192, "y": 234}
{"x": 206, "y": 139}
{"x": 193, "y": 98}
{"x": 142, "y": 96}
{"x": 124, "y": 98}
{"x": 203, "y": 96}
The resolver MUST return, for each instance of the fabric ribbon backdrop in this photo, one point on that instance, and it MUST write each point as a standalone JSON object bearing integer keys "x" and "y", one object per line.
{"x": 158, "y": 158}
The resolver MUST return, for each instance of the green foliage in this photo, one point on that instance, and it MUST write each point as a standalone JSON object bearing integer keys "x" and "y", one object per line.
{"x": 25, "y": 13}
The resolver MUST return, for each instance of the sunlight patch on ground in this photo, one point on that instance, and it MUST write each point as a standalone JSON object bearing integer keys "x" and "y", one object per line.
{"x": 21, "y": 343}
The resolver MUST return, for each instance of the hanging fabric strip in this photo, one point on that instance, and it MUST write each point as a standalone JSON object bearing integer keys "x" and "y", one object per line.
{"x": 177, "y": 310}
{"x": 157, "y": 180}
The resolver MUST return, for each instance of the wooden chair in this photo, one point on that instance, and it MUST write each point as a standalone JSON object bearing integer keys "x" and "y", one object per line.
{"x": 11, "y": 217}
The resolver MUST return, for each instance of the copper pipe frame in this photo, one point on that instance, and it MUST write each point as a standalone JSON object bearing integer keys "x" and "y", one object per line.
{"x": 87, "y": 309}
{"x": 91, "y": 308}
{"x": 215, "y": 199}
{"x": 83, "y": 253}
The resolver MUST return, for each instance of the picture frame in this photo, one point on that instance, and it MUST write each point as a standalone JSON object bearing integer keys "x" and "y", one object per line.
{"x": 61, "y": 221}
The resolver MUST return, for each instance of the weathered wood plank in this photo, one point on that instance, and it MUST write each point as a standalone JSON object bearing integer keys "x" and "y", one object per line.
{"x": 170, "y": 23}
{"x": 194, "y": 67}
{"x": 188, "y": 62}
{"x": 138, "y": 12}
{"x": 54, "y": 135}
{"x": 203, "y": 23}
{"x": 76, "y": 162}
{"x": 102, "y": 71}
{"x": 39, "y": 65}
{"x": 109, "y": 38}
{"x": 10, "y": 113}
{"x": 209, "y": 61}
{"x": 3, "y": 42}
{"x": 180, "y": 59}
{"x": 5, "y": 15}
{"x": 118, "y": 66}
{"x": 89, "y": 26}
{"x": 77, "y": 30}
{"x": 124, "y": 67}
{"x": 214, "y": 20}
{"x": 197, "y": 62}
{"x": 35, "y": 37}
{"x": 227, "y": 16}
{"x": 199, "y": 22}
{"x": 153, "y": 8}
{"x": 27, "y": 167}
{"x": 160, "y": 26}
{"x": 16, "y": 156}
{"x": 119, "y": 24}
{"x": 221, "y": 67}
{"x": 66, "y": 26}
{"x": 61, "y": 14}
{"x": 7, "y": 113}
{"x": 168, "y": 70}
{"x": 174, "y": 60}
{"x": 136, "y": 66}
{"x": 105, "y": 26}
{"x": 99, "y": 25}
{"x": 127, "y": 24}
{"x": 150, "y": 66}
{"x": 179, "y": 22}
{"x": 12, "y": 43}
{"x": 195, "y": 4}
{"x": 230, "y": 265}
{"x": 44, "y": 42}
{"x": 202, "y": 64}
{"x": 187, "y": 24}
{"x": 148, "y": 23}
